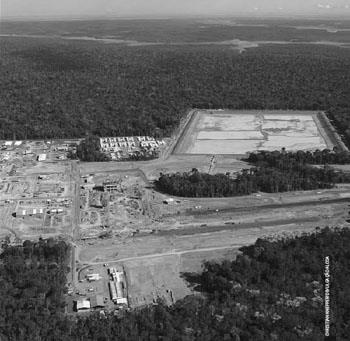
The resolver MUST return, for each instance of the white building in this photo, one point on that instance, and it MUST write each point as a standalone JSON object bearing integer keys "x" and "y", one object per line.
{"x": 42, "y": 157}
{"x": 122, "y": 301}
{"x": 93, "y": 277}
{"x": 83, "y": 305}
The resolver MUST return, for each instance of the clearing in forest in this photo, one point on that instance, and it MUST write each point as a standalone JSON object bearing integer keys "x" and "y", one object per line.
{"x": 240, "y": 132}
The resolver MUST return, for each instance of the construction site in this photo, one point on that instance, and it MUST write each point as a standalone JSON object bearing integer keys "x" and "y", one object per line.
{"x": 132, "y": 245}
{"x": 36, "y": 195}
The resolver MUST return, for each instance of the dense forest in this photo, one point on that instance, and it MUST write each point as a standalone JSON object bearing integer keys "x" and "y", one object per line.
{"x": 272, "y": 172}
{"x": 32, "y": 284}
{"x": 64, "y": 88}
{"x": 273, "y": 291}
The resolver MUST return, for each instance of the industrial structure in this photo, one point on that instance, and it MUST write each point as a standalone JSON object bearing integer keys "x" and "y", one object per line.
{"x": 111, "y": 186}
{"x": 28, "y": 212}
{"x": 93, "y": 277}
{"x": 117, "y": 287}
{"x": 82, "y": 305}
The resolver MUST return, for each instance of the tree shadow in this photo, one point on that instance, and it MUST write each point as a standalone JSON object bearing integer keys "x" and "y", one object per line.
{"x": 193, "y": 280}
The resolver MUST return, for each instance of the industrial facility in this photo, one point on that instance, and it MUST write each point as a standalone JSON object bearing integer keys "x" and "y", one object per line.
{"x": 117, "y": 287}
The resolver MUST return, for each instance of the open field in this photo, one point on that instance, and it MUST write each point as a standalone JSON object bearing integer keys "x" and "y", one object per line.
{"x": 175, "y": 163}
{"x": 155, "y": 265}
{"x": 239, "y": 132}
{"x": 152, "y": 276}
{"x": 165, "y": 276}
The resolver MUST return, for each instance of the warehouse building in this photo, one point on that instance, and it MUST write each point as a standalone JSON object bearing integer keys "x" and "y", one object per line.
{"x": 112, "y": 291}
{"x": 82, "y": 305}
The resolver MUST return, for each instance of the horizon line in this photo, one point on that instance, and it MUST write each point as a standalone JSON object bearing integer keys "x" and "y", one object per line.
{"x": 245, "y": 15}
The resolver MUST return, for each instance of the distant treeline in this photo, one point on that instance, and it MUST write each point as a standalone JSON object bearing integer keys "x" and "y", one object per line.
{"x": 273, "y": 291}
{"x": 60, "y": 88}
{"x": 272, "y": 172}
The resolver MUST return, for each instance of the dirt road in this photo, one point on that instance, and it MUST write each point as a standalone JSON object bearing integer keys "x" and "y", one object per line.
{"x": 151, "y": 245}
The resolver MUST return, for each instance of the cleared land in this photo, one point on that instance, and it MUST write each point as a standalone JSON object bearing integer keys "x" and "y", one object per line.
{"x": 240, "y": 132}
{"x": 155, "y": 265}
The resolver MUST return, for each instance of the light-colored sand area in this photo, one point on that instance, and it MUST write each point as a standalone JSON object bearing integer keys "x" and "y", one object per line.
{"x": 222, "y": 146}
{"x": 293, "y": 143}
{"x": 290, "y": 128}
{"x": 223, "y": 122}
{"x": 245, "y": 146}
{"x": 230, "y": 135}
{"x": 239, "y": 132}
{"x": 288, "y": 117}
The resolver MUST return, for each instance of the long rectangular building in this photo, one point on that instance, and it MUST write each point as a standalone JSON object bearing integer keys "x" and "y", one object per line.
{"x": 112, "y": 290}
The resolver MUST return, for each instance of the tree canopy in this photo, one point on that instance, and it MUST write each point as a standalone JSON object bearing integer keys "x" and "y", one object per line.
{"x": 89, "y": 150}
{"x": 272, "y": 172}
{"x": 61, "y": 88}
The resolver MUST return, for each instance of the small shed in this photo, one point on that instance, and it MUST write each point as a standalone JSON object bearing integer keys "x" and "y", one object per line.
{"x": 42, "y": 157}
{"x": 168, "y": 201}
{"x": 82, "y": 305}
{"x": 93, "y": 277}
{"x": 122, "y": 301}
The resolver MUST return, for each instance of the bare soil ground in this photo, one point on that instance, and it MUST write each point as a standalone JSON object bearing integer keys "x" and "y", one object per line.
{"x": 175, "y": 163}
{"x": 238, "y": 132}
{"x": 31, "y": 190}
{"x": 184, "y": 212}
{"x": 155, "y": 265}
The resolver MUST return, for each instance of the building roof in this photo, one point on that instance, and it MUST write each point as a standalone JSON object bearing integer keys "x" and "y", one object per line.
{"x": 123, "y": 300}
{"x": 83, "y": 304}
{"x": 94, "y": 277}
{"x": 42, "y": 157}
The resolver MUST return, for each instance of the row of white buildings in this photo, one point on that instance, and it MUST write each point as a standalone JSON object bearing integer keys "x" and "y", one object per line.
{"x": 126, "y": 139}
{"x": 129, "y": 144}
